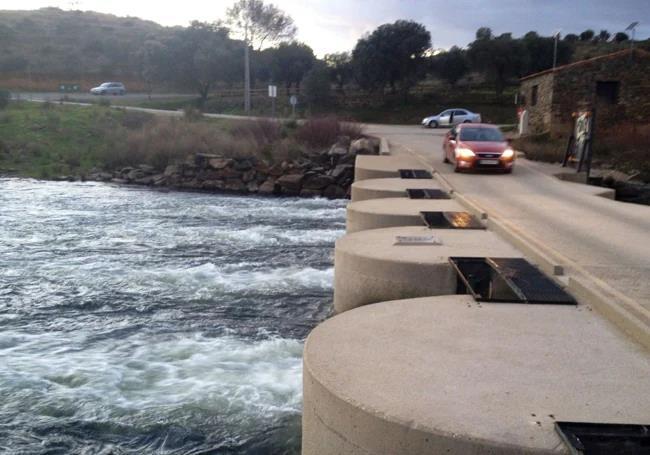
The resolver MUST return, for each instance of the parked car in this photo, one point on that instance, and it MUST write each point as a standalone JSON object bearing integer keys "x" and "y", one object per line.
{"x": 478, "y": 146}
{"x": 451, "y": 117}
{"x": 109, "y": 88}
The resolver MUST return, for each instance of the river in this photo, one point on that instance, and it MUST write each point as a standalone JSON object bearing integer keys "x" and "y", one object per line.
{"x": 135, "y": 321}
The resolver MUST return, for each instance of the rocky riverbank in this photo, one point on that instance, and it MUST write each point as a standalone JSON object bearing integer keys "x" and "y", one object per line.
{"x": 329, "y": 174}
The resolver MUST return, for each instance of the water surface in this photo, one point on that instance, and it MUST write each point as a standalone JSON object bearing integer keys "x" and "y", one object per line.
{"x": 136, "y": 321}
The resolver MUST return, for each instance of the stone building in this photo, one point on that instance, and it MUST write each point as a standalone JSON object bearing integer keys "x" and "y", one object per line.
{"x": 616, "y": 84}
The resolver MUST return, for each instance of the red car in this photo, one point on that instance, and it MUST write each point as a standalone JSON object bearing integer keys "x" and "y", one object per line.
{"x": 478, "y": 146}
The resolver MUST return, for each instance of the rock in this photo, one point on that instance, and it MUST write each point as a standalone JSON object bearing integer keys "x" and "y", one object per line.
{"x": 248, "y": 176}
{"x": 276, "y": 170}
{"x": 234, "y": 185}
{"x": 364, "y": 146}
{"x": 172, "y": 169}
{"x": 159, "y": 179}
{"x": 213, "y": 185}
{"x": 220, "y": 163}
{"x": 146, "y": 168}
{"x": 347, "y": 159}
{"x": 189, "y": 171}
{"x": 268, "y": 187}
{"x": 118, "y": 181}
{"x": 253, "y": 187}
{"x": 290, "y": 182}
{"x": 243, "y": 165}
{"x": 342, "y": 171}
{"x": 148, "y": 180}
{"x": 338, "y": 150}
{"x": 202, "y": 159}
{"x": 317, "y": 182}
{"x": 334, "y": 192}
{"x": 310, "y": 193}
{"x": 229, "y": 173}
{"x": 135, "y": 174}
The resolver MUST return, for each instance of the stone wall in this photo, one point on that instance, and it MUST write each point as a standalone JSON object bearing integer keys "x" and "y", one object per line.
{"x": 539, "y": 115}
{"x": 329, "y": 174}
{"x": 565, "y": 90}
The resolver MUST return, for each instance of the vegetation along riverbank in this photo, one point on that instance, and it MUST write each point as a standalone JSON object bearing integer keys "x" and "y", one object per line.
{"x": 62, "y": 142}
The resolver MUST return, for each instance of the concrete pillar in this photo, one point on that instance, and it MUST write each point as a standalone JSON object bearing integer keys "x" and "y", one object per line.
{"x": 378, "y": 167}
{"x": 388, "y": 187}
{"x": 393, "y": 212}
{"x": 370, "y": 268}
{"x": 446, "y": 375}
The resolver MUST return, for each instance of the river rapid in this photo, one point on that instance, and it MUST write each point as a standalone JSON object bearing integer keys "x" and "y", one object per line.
{"x": 135, "y": 321}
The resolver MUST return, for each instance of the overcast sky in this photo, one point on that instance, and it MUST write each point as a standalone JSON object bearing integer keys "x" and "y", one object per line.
{"x": 335, "y": 25}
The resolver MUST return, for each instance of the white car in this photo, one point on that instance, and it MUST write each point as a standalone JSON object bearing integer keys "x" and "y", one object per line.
{"x": 109, "y": 88}
{"x": 451, "y": 117}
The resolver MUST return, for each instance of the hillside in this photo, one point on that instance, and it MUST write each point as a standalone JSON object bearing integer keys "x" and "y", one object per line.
{"x": 72, "y": 45}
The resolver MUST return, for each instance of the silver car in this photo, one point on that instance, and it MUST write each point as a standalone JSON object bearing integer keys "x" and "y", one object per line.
{"x": 451, "y": 117}
{"x": 109, "y": 88}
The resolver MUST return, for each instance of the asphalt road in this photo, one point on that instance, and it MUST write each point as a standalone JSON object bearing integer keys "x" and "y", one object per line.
{"x": 87, "y": 97}
{"x": 609, "y": 239}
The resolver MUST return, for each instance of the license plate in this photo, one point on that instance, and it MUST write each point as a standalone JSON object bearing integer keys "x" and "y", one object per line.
{"x": 489, "y": 162}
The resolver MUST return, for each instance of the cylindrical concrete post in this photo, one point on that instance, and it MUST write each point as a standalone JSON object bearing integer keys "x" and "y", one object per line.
{"x": 393, "y": 212}
{"x": 389, "y": 187}
{"x": 370, "y": 267}
{"x": 446, "y": 375}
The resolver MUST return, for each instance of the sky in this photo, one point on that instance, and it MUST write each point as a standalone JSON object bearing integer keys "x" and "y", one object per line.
{"x": 336, "y": 25}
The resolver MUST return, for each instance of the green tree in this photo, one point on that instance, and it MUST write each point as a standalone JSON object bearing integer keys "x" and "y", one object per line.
{"x": 317, "y": 86}
{"x": 621, "y": 37}
{"x": 540, "y": 50}
{"x": 451, "y": 66}
{"x": 603, "y": 36}
{"x": 151, "y": 58}
{"x": 257, "y": 23}
{"x": 201, "y": 55}
{"x": 392, "y": 55}
{"x": 340, "y": 68}
{"x": 587, "y": 35}
{"x": 571, "y": 38}
{"x": 500, "y": 58}
{"x": 290, "y": 62}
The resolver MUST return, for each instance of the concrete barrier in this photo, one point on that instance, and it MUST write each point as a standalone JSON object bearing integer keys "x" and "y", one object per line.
{"x": 368, "y": 167}
{"x": 447, "y": 375}
{"x": 393, "y": 212}
{"x": 388, "y": 187}
{"x": 370, "y": 268}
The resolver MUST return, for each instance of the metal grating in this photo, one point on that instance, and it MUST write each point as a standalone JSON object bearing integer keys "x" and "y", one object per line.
{"x": 414, "y": 174}
{"x": 450, "y": 220}
{"x": 605, "y": 438}
{"x": 427, "y": 193}
{"x": 506, "y": 280}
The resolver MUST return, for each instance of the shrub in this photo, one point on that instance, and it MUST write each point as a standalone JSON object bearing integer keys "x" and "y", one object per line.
{"x": 263, "y": 131}
{"x": 324, "y": 131}
{"x": 192, "y": 114}
{"x": 105, "y": 102}
{"x": 134, "y": 119}
{"x": 5, "y": 96}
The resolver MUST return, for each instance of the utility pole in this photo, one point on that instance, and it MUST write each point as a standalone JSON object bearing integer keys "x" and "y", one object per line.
{"x": 557, "y": 37}
{"x": 632, "y": 28}
{"x": 247, "y": 73}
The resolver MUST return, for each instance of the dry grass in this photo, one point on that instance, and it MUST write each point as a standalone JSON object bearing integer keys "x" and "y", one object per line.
{"x": 324, "y": 131}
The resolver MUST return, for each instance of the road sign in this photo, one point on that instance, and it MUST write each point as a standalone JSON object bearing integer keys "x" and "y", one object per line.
{"x": 293, "y": 100}
{"x": 273, "y": 91}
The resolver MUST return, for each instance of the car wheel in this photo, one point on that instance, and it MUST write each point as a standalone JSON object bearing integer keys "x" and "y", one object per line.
{"x": 433, "y": 124}
{"x": 467, "y": 121}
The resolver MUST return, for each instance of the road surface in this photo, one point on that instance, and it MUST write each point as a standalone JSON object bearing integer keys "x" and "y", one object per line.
{"x": 608, "y": 239}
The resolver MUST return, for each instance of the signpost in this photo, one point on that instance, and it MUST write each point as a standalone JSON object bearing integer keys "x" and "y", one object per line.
{"x": 293, "y": 101}
{"x": 273, "y": 94}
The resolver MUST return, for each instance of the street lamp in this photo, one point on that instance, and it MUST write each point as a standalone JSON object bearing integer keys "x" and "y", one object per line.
{"x": 632, "y": 28}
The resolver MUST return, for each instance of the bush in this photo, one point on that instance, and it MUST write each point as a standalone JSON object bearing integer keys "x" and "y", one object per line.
{"x": 192, "y": 114}
{"x": 5, "y": 97}
{"x": 105, "y": 102}
{"x": 324, "y": 131}
{"x": 133, "y": 120}
{"x": 263, "y": 131}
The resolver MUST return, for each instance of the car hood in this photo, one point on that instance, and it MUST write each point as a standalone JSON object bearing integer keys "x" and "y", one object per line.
{"x": 485, "y": 147}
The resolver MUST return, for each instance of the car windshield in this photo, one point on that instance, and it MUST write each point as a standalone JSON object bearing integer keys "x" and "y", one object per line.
{"x": 106, "y": 84}
{"x": 481, "y": 135}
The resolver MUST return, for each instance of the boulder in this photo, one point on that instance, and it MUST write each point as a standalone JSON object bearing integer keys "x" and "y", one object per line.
{"x": 248, "y": 176}
{"x": 243, "y": 165}
{"x": 146, "y": 168}
{"x": 252, "y": 187}
{"x": 159, "y": 179}
{"x": 364, "y": 146}
{"x": 338, "y": 150}
{"x": 234, "y": 185}
{"x": 172, "y": 169}
{"x": 317, "y": 182}
{"x": 334, "y": 192}
{"x": 220, "y": 163}
{"x": 202, "y": 159}
{"x": 310, "y": 193}
{"x": 342, "y": 171}
{"x": 229, "y": 173}
{"x": 135, "y": 174}
{"x": 268, "y": 187}
{"x": 213, "y": 185}
{"x": 291, "y": 182}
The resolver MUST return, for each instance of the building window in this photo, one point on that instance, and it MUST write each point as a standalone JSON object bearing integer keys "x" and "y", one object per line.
{"x": 533, "y": 95}
{"x": 607, "y": 91}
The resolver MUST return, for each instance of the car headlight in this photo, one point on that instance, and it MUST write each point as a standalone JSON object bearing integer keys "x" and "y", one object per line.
{"x": 508, "y": 153}
{"x": 464, "y": 153}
